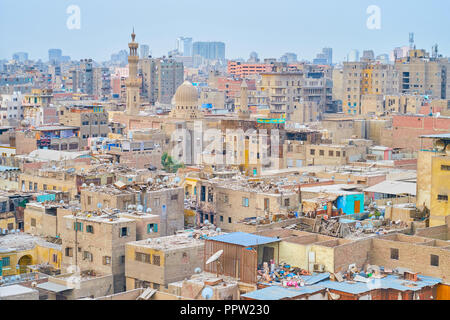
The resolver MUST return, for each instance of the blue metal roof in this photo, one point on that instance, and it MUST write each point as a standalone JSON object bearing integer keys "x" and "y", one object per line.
{"x": 315, "y": 278}
{"x": 5, "y": 168}
{"x": 389, "y": 282}
{"x": 438, "y": 136}
{"x": 278, "y": 292}
{"x": 244, "y": 239}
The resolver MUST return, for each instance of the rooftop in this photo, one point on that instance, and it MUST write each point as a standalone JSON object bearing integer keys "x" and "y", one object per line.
{"x": 393, "y": 188}
{"x": 244, "y": 239}
{"x": 22, "y": 241}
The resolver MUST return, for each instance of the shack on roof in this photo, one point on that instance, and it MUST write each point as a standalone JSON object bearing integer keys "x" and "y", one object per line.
{"x": 242, "y": 254}
{"x": 393, "y": 188}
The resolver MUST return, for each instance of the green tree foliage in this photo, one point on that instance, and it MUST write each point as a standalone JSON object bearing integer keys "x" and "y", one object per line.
{"x": 169, "y": 164}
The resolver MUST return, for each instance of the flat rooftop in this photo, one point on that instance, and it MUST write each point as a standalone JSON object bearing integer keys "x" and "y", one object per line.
{"x": 337, "y": 189}
{"x": 22, "y": 241}
{"x": 169, "y": 243}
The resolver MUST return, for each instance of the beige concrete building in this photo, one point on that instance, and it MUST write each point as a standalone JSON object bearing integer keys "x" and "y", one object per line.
{"x": 366, "y": 78}
{"x": 422, "y": 75}
{"x": 157, "y": 262}
{"x": 97, "y": 243}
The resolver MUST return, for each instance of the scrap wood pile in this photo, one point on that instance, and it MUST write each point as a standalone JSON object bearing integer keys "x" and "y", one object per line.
{"x": 284, "y": 274}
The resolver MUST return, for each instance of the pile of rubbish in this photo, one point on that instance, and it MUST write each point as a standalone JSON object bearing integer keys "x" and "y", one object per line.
{"x": 284, "y": 274}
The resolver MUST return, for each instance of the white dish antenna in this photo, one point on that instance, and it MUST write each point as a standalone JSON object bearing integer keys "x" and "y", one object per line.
{"x": 207, "y": 293}
{"x": 215, "y": 257}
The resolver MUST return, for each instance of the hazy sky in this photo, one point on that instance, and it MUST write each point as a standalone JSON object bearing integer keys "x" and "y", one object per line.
{"x": 269, "y": 27}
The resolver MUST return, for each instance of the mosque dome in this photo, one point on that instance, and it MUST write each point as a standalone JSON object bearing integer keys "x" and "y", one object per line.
{"x": 186, "y": 95}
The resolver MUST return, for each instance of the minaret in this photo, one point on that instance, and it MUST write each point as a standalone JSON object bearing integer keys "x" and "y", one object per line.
{"x": 133, "y": 82}
{"x": 243, "y": 109}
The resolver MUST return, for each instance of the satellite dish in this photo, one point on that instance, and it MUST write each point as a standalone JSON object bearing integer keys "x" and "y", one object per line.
{"x": 62, "y": 202}
{"x": 198, "y": 270}
{"x": 177, "y": 179}
{"x": 207, "y": 293}
{"x": 150, "y": 180}
{"x": 215, "y": 257}
{"x": 84, "y": 185}
{"x": 165, "y": 178}
{"x": 206, "y": 222}
{"x": 92, "y": 185}
{"x": 99, "y": 205}
{"x": 140, "y": 208}
{"x": 149, "y": 210}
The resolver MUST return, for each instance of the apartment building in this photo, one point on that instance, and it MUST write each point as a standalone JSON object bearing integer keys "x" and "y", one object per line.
{"x": 422, "y": 75}
{"x": 157, "y": 262}
{"x": 92, "y": 121}
{"x": 161, "y": 77}
{"x": 366, "y": 78}
{"x": 242, "y": 70}
{"x": 97, "y": 243}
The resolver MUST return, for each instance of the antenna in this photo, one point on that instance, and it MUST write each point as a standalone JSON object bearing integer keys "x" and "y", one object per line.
{"x": 207, "y": 293}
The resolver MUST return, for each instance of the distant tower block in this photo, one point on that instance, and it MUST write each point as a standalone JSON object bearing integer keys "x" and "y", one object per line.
{"x": 133, "y": 83}
{"x": 243, "y": 111}
{"x": 411, "y": 40}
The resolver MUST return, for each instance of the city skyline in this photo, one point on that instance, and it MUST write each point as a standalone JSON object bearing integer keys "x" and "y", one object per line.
{"x": 350, "y": 32}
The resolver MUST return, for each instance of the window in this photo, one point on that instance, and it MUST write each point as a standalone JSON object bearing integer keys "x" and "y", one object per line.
{"x": 77, "y": 226}
{"x": 33, "y": 222}
{"x": 156, "y": 202}
{"x": 229, "y": 220}
{"x": 245, "y": 202}
{"x": 152, "y": 227}
{"x": 338, "y": 153}
{"x": 394, "y": 254}
{"x": 321, "y": 152}
{"x": 225, "y": 198}
{"x": 221, "y": 218}
{"x": 442, "y": 197}
{"x": 89, "y": 200}
{"x": 156, "y": 260}
{"x": 142, "y": 257}
{"x": 174, "y": 197}
{"x": 87, "y": 256}
{"x": 10, "y": 226}
{"x": 122, "y": 259}
{"x": 69, "y": 252}
{"x": 90, "y": 229}
{"x": 286, "y": 202}
{"x": 5, "y": 261}
{"x": 123, "y": 232}
{"x": 55, "y": 258}
{"x": 330, "y": 153}
{"x": 434, "y": 260}
{"x": 106, "y": 260}
{"x": 313, "y": 152}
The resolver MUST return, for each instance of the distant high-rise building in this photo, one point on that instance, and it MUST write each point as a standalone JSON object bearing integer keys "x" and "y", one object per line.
{"x": 253, "y": 57}
{"x": 399, "y": 53}
{"x": 20, "y": 57}
{"x": 324, "y": 58}
{"x": 160, "y": 79}
{"x": 54, "y": 56}
{"x": 184, "y": 46}
{"x": 209, "y": 50}
{"x": 383, "y": 58}
{"x": 145, "y": 51}
{"x": 368, "y": 55}
{"x": 121, "y": 57}
{"x": 289, "y": 57}
{"x": 353, "y": 56}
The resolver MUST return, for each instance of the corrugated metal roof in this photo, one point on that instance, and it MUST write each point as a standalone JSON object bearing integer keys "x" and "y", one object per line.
{"x": 438, "y": 136}
{"x": 278, "y": 292}
{"x": 53, "y": 287}
{"x": 244, "y": 239}
{"x": 315, "y": 278}
{"x": 389, "y": 282}
{"x": 393, "y": 187}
